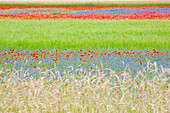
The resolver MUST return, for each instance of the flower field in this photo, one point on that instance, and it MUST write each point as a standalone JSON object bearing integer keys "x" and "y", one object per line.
{"x": 84, "y": 59}
{"x": 101, "y": 13}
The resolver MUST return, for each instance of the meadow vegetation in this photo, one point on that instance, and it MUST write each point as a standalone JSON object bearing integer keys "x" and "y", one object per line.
{"x": 40, "y": 81}
{"x": 76, "y": 93}
{"x": 84, "y": 34}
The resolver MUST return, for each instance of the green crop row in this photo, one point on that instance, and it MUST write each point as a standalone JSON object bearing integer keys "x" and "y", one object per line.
{"x": 89, "y": 4}
{"x": 84, "y": 34}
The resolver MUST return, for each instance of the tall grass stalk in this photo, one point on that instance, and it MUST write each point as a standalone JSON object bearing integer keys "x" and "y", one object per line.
{"x": 89, "y": 93}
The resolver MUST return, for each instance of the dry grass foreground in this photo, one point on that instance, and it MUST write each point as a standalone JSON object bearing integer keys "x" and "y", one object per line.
{"x": 76, "y": 94}
{"x": 60, "y": 2}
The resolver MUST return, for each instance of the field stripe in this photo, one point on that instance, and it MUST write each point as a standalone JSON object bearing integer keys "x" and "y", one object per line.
{"x": 98, "y": 2}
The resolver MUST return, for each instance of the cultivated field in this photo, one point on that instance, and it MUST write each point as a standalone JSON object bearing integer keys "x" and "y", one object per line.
{"x": 76, "y": 34}
{"x": 85, "y": 59}
{"x": 92, "y": 93}
{"x": 82, "y": 1}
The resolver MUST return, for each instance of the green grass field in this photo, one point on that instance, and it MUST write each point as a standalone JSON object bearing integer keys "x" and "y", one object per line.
{"x": 88, "y": 34}
{"x": 95, "y": 4}
{"x": 74, "y": 92}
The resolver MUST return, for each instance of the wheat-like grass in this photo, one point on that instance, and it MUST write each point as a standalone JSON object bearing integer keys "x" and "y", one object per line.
{"x": 76, "y": 34}
{"x": 91, "y": 93}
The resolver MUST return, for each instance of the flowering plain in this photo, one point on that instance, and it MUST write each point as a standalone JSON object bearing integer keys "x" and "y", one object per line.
{"x": 84, "y": 59}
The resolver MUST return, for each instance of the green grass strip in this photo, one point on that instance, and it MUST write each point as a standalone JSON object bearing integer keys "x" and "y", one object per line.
{"x": 84, "y": 34}
{"x": 90, "y": 5}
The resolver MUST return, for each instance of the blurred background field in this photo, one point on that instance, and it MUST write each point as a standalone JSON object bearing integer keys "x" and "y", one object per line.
{"x": 85, "y": 2}
{"x": 84, "y": 34}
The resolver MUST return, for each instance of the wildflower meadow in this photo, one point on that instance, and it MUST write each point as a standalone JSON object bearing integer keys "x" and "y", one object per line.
{"x": 79, "y": 59}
